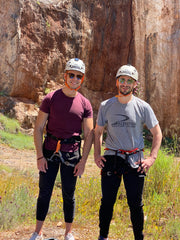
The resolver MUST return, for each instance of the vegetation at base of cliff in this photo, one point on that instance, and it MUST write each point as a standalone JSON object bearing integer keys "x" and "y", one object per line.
{"x": 10, "y": 134}
{"x": 19, "y": 191}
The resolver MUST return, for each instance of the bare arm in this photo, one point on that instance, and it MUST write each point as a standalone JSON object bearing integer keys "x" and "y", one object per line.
{"x": 99, "y": 160}
{"x": 38, "y": 140}
{"x": 88, "y": 139}
{"x": 156, "y": 143}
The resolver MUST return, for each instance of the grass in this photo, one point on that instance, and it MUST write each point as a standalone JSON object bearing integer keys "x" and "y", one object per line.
{"x": 12, "y": 136}
{"x": 18, "y": 194}
{"x": 19, "y": 190}
{"x": 161, "y": 198}
{"x": 9, "y": 125}
{"x": 18, "y": 141}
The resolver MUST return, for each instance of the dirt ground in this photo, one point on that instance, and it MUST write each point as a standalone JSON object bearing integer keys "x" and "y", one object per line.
{"x": 26, "y": 160}
{"x": 49, "y": 232}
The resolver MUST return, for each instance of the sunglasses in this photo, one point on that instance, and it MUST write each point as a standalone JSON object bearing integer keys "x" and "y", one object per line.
{"x": 72, "y": 75}
{"x": 128, "y": 81}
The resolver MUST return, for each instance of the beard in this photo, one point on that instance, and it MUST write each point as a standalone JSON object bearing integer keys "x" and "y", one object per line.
{"x": 125, "y": 92}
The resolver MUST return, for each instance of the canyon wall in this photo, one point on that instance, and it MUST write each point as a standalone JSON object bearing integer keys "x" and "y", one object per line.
{"x": 38, "y": 37}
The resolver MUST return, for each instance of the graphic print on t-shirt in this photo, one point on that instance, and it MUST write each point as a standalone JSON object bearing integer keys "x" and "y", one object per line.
{"x": 123, "y": 121}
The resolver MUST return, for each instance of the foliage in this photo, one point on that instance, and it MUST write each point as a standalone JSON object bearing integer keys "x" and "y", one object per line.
{"x": 18, "y": 193}
{"x": 162, "y": 196}
{"x": 18, "y": 141}
{"x": 47, "y": 90}
{"x": 172, "y": 144}
{"x": 12, "y": 136}
{"x": 9, "y": 125}
{"x": 19, "y": 190}
{"x": 17, "y": 197}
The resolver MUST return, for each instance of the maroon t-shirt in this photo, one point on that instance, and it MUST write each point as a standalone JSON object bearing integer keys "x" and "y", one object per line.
{"x": 65, "y": 118}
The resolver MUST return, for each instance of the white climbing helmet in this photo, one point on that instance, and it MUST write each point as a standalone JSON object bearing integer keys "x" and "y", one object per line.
{"x": 127, "y": 70}
{"x": 75, "y": 64}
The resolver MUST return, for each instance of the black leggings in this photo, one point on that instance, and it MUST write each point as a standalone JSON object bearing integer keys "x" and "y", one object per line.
{"x": 110, "y": 184}
{"x": 46, "y": 184}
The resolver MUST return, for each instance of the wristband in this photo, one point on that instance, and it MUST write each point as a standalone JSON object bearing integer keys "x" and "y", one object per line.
{"x": 40, "y": 158}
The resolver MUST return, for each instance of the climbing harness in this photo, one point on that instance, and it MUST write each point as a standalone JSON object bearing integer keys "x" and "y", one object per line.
{"x": 57, "y": 157}
{"x": 126, "y": 162}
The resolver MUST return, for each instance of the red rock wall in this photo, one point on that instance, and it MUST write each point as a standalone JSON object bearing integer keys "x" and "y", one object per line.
{"x": 38, "y": 37}
{"x": 157, "y": 41}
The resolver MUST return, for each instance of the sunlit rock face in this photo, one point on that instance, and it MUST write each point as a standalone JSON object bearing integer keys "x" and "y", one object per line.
{"x": 38, "y": 37}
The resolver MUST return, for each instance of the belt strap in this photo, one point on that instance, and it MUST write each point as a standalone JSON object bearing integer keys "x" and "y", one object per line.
{"x": 126, "y": 152}
{"x": 72, "y": 139}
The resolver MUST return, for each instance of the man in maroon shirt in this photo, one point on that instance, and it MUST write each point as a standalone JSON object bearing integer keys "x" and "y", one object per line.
{"x": 65, "y": 113}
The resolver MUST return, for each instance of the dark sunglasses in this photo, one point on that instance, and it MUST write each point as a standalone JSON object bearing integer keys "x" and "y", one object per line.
{"x": 72, "y": 75}
{"x": 128, "y": 81}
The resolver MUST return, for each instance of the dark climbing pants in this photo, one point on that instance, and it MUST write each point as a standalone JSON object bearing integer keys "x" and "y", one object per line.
{"x": 110, "y": 184}
{"x": 68, "y": 181}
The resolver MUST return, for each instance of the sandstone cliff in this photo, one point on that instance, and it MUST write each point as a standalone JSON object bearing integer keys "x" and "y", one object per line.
{"x": 38, "y": 37}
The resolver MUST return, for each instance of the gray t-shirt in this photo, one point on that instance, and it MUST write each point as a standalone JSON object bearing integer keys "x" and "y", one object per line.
{"x": 125, "y": 124}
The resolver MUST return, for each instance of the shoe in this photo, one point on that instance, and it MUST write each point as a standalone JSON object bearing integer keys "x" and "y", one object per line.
{"x": 101, "y": 238}
{"x": 36, "y": 236}
{"x": 69, "y": 236}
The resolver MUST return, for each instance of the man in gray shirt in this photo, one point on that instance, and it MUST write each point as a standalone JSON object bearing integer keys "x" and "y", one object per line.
{"x": 124, "y": 117}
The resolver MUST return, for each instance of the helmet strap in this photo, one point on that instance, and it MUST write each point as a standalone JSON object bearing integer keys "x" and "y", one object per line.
{"x": 75, "y": 89}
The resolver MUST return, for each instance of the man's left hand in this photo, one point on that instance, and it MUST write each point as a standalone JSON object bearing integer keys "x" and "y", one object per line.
{"x": 145, "y": 164}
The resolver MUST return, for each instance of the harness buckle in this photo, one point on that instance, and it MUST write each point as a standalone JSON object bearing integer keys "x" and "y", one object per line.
{"x": 56, "y": 157}
{"x": 109, "y": 173}
{"x": 69, "y": 164}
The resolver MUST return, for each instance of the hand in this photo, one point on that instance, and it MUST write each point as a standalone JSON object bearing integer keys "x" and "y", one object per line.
{"x": 100, "y": 161}
{"x": 79, "y": 168}
{"x": 145, "y": 164}
{"x": 42, "y": 165}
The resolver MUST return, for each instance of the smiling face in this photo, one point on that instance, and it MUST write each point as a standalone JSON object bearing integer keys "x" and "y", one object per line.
{"x": 125, "y": 85}
{"x": 73, "y": 79}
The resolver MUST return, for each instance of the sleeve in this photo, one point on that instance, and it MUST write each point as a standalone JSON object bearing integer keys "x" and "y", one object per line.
{"x": 45, "y": 105}
{"x": 101, "y": 116}
{"x": 88, "y": 111}
{"x": 150, "y": 117}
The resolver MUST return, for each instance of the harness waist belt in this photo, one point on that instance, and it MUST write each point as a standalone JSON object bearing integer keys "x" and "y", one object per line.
{"x": 72, "y": 139}
{"x": 126, "y": 152}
